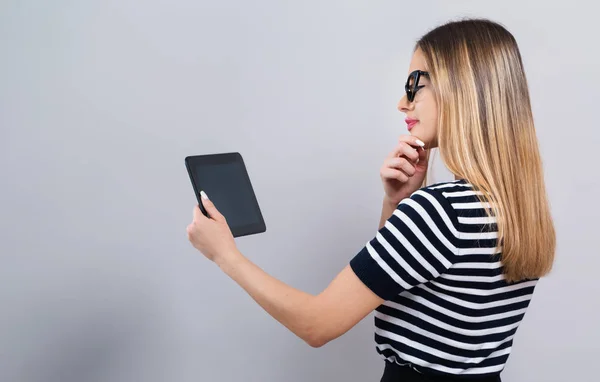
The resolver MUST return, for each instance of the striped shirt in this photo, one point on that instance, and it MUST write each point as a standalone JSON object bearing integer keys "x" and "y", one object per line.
{"x": 448, "y": 308}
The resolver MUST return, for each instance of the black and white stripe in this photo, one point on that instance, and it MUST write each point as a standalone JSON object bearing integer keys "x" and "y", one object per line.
{"x": 448, "y": 308}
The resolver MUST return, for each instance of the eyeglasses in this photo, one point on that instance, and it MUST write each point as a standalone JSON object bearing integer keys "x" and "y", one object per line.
{"x": 412, "y": 88}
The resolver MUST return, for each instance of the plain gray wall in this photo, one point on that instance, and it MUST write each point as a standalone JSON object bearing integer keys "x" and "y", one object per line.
{"x": 100, "y": 101}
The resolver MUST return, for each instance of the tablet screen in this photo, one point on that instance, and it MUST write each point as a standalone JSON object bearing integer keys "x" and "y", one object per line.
{"x": 227, "y": 188}
{"x": 225, "y": 180}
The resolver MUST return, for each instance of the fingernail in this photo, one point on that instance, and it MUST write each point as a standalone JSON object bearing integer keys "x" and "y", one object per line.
{"x": 203, "y": 195}
{"x": 420, "y": 143}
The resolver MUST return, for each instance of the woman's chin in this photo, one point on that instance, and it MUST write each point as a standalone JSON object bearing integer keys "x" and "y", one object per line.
{"x": 416, "y": 132}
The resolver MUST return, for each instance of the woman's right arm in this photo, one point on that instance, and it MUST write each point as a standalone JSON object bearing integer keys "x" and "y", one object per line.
{"x": 386, "y": 210}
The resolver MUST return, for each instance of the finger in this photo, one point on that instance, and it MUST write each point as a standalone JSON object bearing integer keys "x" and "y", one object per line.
{"x": 412, "y": 140}
{"x": 404, "y": 149}
{"x": 408, "y": 151}
{"x": 392, "y": 173}
{"x": 423, "y": 161}
{"x": 210, "y": 208}
{"x": 198, "y": 215}
{"x": 401, "y": 164}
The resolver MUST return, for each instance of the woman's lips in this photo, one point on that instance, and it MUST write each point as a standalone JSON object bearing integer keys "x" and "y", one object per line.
{"x": 410, "y": 123}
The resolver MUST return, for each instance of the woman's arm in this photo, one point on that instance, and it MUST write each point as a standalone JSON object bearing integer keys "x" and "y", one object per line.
{"x": 316, "y": 319}
{"x": 387, "y": 209}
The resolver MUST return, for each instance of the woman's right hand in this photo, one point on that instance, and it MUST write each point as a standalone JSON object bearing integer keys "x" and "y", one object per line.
{"x": 404, "y": 169}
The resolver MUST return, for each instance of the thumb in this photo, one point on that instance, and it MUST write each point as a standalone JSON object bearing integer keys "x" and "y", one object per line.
{"x": 210, "y": 208}
{"x": 198, "y": 215}
{"x": 423, "y": 159}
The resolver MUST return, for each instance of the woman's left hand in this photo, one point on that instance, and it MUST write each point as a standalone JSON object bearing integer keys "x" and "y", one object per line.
{"x": 211, "y": 235}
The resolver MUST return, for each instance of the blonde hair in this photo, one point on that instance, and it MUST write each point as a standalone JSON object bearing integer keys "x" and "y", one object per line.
{"x": 486, "y": 136}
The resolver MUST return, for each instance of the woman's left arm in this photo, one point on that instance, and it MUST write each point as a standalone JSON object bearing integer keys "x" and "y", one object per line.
{"x": 316, "y": 319}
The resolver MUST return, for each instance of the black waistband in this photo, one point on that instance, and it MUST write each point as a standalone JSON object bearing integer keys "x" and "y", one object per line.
{"x": 396, "y": 373}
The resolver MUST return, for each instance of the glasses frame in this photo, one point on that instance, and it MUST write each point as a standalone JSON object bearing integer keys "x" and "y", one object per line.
{"x": 416, "y": 75}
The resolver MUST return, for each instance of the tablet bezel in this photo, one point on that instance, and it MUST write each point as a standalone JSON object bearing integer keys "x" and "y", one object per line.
{"x": 193, "y": 161}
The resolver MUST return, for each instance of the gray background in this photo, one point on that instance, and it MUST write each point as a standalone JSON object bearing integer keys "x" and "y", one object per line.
{"x": 100, "y": 101}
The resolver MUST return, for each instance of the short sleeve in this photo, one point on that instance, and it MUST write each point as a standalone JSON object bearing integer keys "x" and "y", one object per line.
{"x": 416, "y": 244}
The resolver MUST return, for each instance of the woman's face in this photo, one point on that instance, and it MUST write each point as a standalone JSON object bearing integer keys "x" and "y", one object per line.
{"x": 422, "y": 112}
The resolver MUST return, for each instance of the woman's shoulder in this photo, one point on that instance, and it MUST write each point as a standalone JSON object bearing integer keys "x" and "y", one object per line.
{"x": 458, "y": 184}
{"x": 448, "y": 201}
{"x": 446, "y": 192}
{"x": 452, "y": 192}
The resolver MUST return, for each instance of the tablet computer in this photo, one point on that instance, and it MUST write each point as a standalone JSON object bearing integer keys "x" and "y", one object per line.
{"x": 225, "y": 180}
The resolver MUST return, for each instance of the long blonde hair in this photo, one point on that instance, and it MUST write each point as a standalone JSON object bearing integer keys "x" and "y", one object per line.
{"x": 487, "y": 136}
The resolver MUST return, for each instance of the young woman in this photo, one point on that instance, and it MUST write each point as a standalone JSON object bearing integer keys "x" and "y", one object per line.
{"x": 453, "y": 266}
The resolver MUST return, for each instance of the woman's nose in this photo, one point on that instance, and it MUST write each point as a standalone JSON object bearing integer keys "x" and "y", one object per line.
{"x": 404, "y": 105}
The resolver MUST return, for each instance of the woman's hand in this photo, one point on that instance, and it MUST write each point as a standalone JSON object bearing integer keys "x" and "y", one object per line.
{"x": 404, "y": 169}
{"x": 211, "y": 235}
